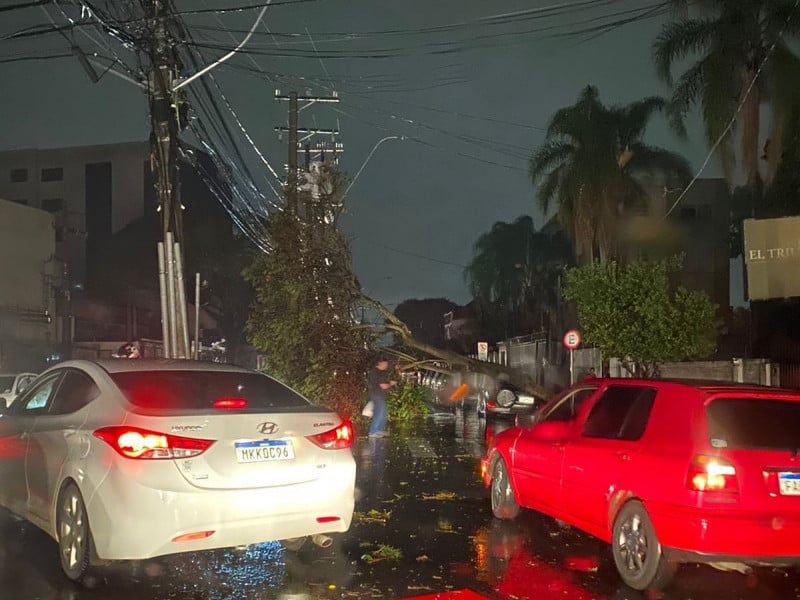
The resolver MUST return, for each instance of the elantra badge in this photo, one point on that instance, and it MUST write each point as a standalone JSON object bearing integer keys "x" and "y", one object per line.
{"x": 267, "y": 428}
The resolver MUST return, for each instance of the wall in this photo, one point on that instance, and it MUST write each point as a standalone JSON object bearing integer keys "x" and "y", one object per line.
{"x": 27, "y": 272}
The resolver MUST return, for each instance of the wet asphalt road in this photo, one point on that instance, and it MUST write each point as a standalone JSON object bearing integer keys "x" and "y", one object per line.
{"x": 419, "y": 494}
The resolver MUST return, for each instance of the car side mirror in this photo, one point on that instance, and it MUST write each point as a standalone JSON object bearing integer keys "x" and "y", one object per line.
{"x": 552, "y": 431}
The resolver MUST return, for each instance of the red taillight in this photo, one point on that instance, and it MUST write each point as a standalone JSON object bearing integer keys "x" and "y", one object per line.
{"x": 132, "y": 442}
{"x": 328, "y": 519}
{"x": 335, "y": 439}
{"x": 491, "y": 405}
{"x": 712, "y": 474}
{"x": 230, "y": 403}
{"x": 190, "y": 537}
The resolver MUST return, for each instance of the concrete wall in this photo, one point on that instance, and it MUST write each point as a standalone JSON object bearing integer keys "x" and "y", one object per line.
{"x": 27, "y": 273}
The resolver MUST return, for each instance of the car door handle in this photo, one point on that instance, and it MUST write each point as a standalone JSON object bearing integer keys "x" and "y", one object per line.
{"x": 623, "y": 456}
{"x": 23, "y": 435}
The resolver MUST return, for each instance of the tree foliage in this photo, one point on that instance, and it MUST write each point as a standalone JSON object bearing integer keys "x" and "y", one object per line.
{"x": 589, "y": 166}
{"x": 302, "y": 318}
{"x": 633, "y": 313}
{"x": 514, "y": 276}
{"x": 739, "y": 58}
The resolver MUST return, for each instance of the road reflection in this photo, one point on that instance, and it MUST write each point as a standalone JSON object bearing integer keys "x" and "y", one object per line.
{"x": 424, "y": 480}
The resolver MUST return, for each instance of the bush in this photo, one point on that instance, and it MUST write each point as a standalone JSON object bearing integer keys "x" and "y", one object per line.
{"x": 407, "y": 401}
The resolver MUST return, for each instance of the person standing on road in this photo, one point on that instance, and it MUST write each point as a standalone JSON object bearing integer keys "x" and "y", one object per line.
{"x": 380, "y": 382}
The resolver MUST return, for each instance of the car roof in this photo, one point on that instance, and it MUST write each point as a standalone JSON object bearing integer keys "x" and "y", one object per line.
{"x": 709, "y": 386}
{"x": 129, "y": 365}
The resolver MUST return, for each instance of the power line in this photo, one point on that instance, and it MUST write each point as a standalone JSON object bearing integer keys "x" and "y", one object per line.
{"x": 23, "y": 5}
{"x": 733, "y": 118}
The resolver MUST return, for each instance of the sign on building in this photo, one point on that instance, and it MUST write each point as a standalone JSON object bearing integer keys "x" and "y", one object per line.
{"x": 772, "y": 257}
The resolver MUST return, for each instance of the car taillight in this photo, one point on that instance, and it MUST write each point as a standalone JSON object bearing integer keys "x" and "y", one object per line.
{"x": 132, "y": 442}
{"x": 712, "y": 474}
{"x": 491, "y": 405}
{"x": 335, "y": 439}
{"x": 230, "y": 403}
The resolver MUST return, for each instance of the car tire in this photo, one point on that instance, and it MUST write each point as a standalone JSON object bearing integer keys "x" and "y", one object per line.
{"x": 638, "y": 554}
{"x": 294, "y": 544}
{"x": 504, "y": 504}
{"x": 75, "y": 546}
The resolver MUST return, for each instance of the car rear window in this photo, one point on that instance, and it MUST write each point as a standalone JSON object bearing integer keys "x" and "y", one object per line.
{"x": 755, "y": 423}
{"x": 186, "y": 390}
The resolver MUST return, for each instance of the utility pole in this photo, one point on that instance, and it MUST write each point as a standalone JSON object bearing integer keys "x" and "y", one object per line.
{"x": 305, "y": 210}
{"x": 164, "y": 137}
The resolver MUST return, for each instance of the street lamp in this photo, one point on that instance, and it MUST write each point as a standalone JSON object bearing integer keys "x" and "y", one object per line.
{"x": 366, "y": 160}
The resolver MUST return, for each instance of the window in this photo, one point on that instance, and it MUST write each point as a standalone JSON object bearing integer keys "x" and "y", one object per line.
{"x": 19, "y": 175}
{"x": 76, "y": 391}
{"x": 621, "y": 413}
{"x": 199, "y": 389}
{"x": 53, "y": 204}
{"x": 37, "y": 398}
{"x": 567, "y": 408}
{"x": 756, "y": 423}
{"x": 53, "y": 174}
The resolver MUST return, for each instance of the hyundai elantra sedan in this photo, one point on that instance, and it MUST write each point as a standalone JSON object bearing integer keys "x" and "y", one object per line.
{"x": 133, "y": 459}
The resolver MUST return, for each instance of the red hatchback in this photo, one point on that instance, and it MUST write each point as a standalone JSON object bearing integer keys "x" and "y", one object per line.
{"x": 665, "y": 471}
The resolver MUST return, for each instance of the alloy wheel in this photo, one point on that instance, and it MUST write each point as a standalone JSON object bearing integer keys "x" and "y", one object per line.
{"x": 632, "y": 543}
{"x": 73, "y": 533}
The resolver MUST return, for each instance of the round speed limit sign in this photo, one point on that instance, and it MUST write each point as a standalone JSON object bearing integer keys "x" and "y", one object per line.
{"x": 572, "y": 339}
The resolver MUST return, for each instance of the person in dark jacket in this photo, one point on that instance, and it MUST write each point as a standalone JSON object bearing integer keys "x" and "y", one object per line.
{"x": 380, "y": 380}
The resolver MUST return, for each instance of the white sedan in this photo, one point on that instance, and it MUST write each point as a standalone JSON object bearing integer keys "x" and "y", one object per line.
{"x": 133, "y": 459}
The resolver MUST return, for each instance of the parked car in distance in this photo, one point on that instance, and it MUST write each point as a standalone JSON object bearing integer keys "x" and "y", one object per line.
{"x": 13, "y": 384}
{"x": 133, "y": 459}
{"x": 507, "y": 401}
{"x": 667, "y": 472}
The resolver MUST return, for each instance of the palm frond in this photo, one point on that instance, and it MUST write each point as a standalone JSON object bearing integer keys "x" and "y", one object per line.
{"x": 782, "y": 19}
{"x": 549, "y": 187}
{"x": 635, "y": 117}
{"x": 549, "y": 155}
{"x": 650, "y": 158}
{"x": 680, "y": 39}
{"x": 687, "y": 92}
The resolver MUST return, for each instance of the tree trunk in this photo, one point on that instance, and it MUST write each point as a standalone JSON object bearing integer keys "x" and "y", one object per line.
{"x": 458, "y": 361}
{"x": 750, "y": 128}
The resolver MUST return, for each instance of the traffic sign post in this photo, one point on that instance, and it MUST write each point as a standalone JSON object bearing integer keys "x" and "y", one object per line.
{"x": 483, "y": 351}
{"x": 571, "y": 341}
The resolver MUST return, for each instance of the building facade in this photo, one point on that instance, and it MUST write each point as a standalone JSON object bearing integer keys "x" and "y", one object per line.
{"x": 30, "y": 284}
{"x": 91, "y": 191}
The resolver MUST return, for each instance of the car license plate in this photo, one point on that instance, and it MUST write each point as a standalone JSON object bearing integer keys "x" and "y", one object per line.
{"x": 789, "y": 484}
{"x": 264, "y": 450}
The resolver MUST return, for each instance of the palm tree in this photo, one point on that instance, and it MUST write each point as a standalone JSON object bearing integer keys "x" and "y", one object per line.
{"x": 589, "y": 165}
{"x": 514, "y": 277}
{"x": 742, "y": 61}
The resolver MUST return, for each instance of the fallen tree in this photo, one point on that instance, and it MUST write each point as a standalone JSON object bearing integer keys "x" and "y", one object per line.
{"x": 456, "y": 362}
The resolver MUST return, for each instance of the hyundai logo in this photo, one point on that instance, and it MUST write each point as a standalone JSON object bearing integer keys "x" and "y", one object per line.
{"x": 267, "y": 428}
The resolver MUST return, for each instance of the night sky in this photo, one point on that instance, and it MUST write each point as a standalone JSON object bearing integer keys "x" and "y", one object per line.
{"x": 420, "y": 68}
